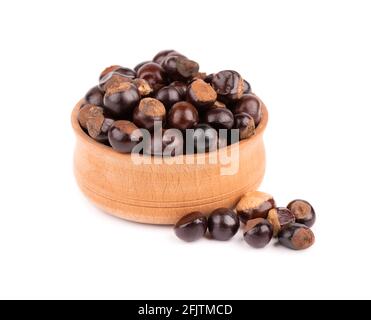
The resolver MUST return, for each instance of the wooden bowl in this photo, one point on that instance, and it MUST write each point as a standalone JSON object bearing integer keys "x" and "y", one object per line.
{"x": 163, "y": 193}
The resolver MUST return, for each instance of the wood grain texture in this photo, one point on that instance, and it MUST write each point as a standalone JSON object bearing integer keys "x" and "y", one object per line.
{"x": 163, "y": 193}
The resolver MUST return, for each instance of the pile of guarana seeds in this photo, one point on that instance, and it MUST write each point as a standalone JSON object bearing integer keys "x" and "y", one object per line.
{"x": 260, "y": 219}
{"x": 169, "y": 90}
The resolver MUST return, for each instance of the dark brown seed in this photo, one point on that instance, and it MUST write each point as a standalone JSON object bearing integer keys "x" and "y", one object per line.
{"x": 168, "y": 95}
{"x": 112, "y": 80}
{"x": 181, "y": 87}
{"x": 179, "y": 68}
{"x": 95, "y": 96}
{"x": 183, "y": 115}
{"x": 244, "y": 123}
{"x": 246, "y": 87}
{"x": 126, "y": 72}
{"x": 159, "y": 57}
{"x": 253, "y": 205}
{"x": 279, "y": 218}
{"x": 303, "y": 212}
{"x": 185, "y": 68}
{"x": 258, "y": 232}
{"x": 147, "y": 112}
{"x": 201, "y": 94}
{"x": 209, "y": 78}
{"x": 228, "y": 84}
{"x": 200, "y": 75}
{"x": 296, "y": 236}
{"x": 98, "y": 128}
{"x": 120, "y": 101}
{"x": 218, "y": 105}
{"x": 109, "y": 70}
{"x": 137, "y": 67}
{"x": 131, "y": 74}
{"x": 123, "y": 136}
{"x": 143, "y": 87}
{"x": 251, "y": 105}
{"x": 88, "y": 111}
{"x": 220, "y": 118}
{"x": 154, "y": 74}
{"x": 191, "y": 227}
{"x": 223, "y": 224}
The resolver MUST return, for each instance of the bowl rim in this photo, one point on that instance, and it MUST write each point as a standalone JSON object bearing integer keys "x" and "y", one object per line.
{"x": 104, "y": 148}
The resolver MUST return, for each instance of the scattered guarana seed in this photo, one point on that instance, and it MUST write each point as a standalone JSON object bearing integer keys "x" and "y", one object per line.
{"x": 255, "y": 204}
{"x": 296, "y": 236}
{"x": 303, "y": 212}
{"x": 191, "y": 227}
{"x": 223, "y": 224}
{"x": 279, "y": 218}
{"x": 258, "y": 232}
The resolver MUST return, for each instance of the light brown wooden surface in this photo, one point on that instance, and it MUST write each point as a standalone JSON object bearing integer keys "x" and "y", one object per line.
{"x": 163, "y": 193}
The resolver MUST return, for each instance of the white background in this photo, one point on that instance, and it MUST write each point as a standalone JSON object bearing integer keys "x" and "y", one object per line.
{"x": 310, "y": 63}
